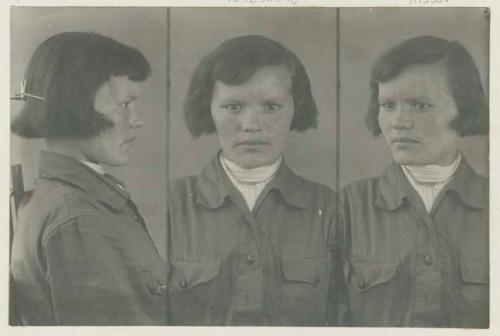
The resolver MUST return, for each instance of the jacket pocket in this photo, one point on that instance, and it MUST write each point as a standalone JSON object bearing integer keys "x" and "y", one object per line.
{"x": 364, "y": 276}
{"x": 376, "y": 293}
{"x": 304, "y": 290}
{"x": 188, "y": 274}
{"x": 472, "y": 301}
{"x": 307, "y": 270}
{"x": 474, "y": 270}
{"x": 198, "y": 292}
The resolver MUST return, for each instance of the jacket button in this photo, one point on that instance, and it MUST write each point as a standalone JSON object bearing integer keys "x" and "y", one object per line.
{"x": 162, "y": 288}
{"x": 428, "y": 260}
{"x": 184, "y": 284}
{"x": 250, "y": 259}
{"x": 362, "y": 284}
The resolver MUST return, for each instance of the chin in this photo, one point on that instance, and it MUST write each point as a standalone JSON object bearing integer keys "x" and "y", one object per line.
{"x": 249, "y": 164}
{"x": 407, "y": 160}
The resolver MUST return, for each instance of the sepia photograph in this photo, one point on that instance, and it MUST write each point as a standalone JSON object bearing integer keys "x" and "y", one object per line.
{"x": 250, "y": 166}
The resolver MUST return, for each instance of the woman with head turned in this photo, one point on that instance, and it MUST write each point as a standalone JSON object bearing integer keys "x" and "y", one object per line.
{"x": 81, "y": 252}
{"x": 251, "y": 242}
{"x": 417, "y": 236}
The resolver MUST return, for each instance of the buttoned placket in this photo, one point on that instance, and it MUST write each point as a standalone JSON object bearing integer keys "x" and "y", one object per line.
{"x": 428, "y": 279}
{"x": 248, "y": 300}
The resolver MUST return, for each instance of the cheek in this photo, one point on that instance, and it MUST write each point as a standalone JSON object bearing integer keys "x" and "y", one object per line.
{"x": 121, "y": 120}
{"x": 431, "y": 128}
{"x": 383, "y": 122}
{"x": 280, "y": 130}
{"x": 281, "y": 121}
{"x": 226, "y": 132}
{"x": 220, "y": 120}
{"x": 112, "y": 138}
{"x": 225, "y": 126}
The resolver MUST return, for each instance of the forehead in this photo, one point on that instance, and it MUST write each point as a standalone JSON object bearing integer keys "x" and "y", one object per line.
{"x": 118, "y": 88}
{"x": 425, "y": 79}
{"x": 269, "y": 80}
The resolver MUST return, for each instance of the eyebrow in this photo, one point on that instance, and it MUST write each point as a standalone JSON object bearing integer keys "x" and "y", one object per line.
{"x": 230, "y": 100}
{"x": 130, "y": 97}
{"x": 408, "y": 97}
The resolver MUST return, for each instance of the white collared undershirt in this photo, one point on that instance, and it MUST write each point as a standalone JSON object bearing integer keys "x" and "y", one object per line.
{"x": 249, "y": 182}
{"x": 429, "y": 180}
{"x": 94, "y": 166}
{"x": 98, "y": 168}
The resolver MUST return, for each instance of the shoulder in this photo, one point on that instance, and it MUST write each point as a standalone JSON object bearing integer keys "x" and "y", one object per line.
{"x": 182, "y": 188}
{"x": 475, "y": 186}
{"x": 483, "y": 182}
{"x": 183, "y": 184}
{"x": 56, "y": 204}
{"x": 360, "y": 190}
{"x": 314, "y": 189}
{"x": 182, "y": 195}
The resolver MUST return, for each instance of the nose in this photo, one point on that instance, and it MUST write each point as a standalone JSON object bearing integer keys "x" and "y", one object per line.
{"x": 135, "y": 120}
{"x": 250, "y": 120}
{"x": 402, "y": 118}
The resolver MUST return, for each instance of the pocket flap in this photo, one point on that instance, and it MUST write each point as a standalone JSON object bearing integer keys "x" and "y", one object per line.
{"x": 303, "y": 269}
{"x": 363, "y": 276}
{"x": 475, "y": 270}
{"x": 188, "y": 274}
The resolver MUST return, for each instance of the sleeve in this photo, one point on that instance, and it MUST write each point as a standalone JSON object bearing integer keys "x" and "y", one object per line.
{"x": 338, "y": 313}
{"x": 91, "y": 280}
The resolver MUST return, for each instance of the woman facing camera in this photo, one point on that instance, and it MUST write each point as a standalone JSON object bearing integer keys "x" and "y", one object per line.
{"x": 251, "y": 242}
{"x": 417, "y": 236}
{"x": 81, "y": 253}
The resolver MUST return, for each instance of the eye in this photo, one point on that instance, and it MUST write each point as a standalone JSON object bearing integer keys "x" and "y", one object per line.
{"x": 273, "y": 106}
{"x": 387, "y": 106}
{"x": 125, "y": 105}
{"x": 422, "y": 107}
{"x": 233, "y": 108}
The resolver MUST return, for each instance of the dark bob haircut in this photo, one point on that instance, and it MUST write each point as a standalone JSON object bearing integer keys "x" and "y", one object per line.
{"x": 463, "y": 80}
{"x": 234, "y": 62}
{"x": 67, "y": 70}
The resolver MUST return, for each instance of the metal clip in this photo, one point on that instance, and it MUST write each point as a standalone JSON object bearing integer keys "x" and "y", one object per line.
{"x": 22, "y": 94}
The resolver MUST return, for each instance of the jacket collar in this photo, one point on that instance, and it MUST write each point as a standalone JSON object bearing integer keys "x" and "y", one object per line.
{"x": 71, "y": 171}
{"x": 471, "y": 188}
{"x": 214, "y": 186}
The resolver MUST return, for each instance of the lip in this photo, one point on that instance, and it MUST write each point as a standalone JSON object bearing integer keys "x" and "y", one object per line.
{"x": 130, "y": 140}
{"x": 403, "y": 140}
{"x": 252, "y": 142}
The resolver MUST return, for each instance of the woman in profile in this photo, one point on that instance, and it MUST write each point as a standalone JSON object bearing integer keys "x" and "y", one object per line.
{"x": 417, "y": 236}
{"x": 251, "y": 242}
{"x": 81, "y": 253}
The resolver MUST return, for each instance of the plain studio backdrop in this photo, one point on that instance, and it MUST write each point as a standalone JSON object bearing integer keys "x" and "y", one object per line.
{"x": 174, "y": 40}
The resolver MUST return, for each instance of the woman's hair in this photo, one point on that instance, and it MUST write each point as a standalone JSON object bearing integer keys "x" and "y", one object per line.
{"x": 463, "y": 79}
{"x": 234, "y": 62}
{"x": 67, "y": 69}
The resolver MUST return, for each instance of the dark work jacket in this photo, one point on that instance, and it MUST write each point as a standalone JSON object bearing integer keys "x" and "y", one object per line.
{"x": 275, "y": 265}
{"x": 407, "y": 267}
{"x": 81, "y": 253}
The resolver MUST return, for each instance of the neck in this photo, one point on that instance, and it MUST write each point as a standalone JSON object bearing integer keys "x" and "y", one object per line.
{"x": 250, "y": 175}
{"x": 447, "y": 159}
{"x": 68, "y": 147}
{"x": 433, "y": 173}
